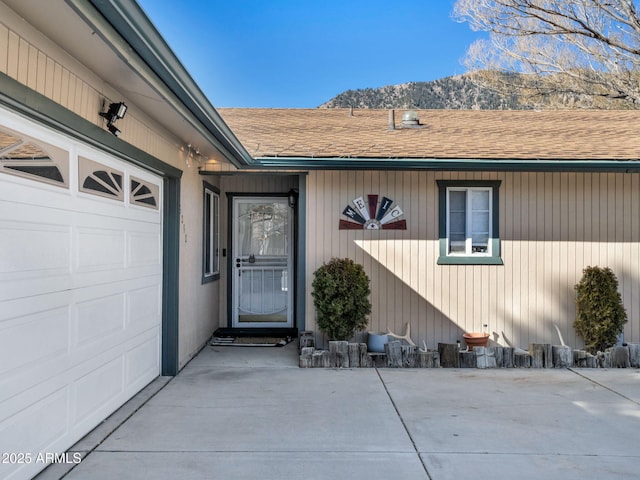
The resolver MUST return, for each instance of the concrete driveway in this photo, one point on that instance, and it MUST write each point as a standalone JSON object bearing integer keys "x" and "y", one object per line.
{"x": 251, "y": 413}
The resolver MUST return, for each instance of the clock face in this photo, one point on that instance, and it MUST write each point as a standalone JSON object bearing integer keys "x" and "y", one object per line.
{"x": 372, "y": 215}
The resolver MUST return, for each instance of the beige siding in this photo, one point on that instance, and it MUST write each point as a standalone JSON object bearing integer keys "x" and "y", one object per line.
{"x": 75, "y": 87}
{"x": 552, "y": 225}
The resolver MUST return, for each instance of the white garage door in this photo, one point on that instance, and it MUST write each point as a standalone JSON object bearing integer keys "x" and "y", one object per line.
{"x": 80, "y": 289}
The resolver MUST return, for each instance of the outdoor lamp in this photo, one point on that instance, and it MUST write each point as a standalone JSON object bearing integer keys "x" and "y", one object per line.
{"x": 113, "y": 129}
{"x": 116, "y": 111}
{"x": 292, "y": 197}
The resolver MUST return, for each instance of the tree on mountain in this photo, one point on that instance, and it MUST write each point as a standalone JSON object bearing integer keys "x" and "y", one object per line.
{"x": 577, "y": 49}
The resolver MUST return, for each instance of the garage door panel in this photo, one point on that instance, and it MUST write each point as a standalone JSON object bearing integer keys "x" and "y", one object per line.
{"x": 97, "y": 389}
{"x": 23, "y": 432}
{"x": 28, "y": 192}
{"x": 108, "y": 315}
{"x": 143, "y": 360}
{"x": 98, "y": 318}
{"x": 144, "y": 249}
{"x": 99, "y": 249}
{"x": 33, "y": 249}
{"x": 33, "y": 338}
{"x": 144, "y": 307}
{"x": 26, "y": 386}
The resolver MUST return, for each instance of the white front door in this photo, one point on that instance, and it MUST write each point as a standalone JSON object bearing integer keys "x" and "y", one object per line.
{"x": 262, "y": 262}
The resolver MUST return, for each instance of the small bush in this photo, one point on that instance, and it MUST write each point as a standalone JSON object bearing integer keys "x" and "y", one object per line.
{"x": 600, "y": 313}
{"x": 341, "y": 297}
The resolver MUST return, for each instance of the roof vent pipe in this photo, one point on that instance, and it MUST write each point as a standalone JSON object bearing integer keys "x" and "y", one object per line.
{"x": 392, "y": 120}
{"x": 410, "y": 118}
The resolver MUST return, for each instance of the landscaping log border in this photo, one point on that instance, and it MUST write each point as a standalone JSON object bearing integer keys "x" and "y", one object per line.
{"x": 449, "y": 355}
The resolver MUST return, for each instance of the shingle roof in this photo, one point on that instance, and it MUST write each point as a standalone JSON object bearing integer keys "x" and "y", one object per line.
{"x": 443, "y": 134}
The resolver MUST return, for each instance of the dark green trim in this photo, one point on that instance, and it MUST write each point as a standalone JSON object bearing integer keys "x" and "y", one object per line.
{"x": 207, "y": 186}
{"x": 631, "y": 165}
{"x": 443, "y": 258}
{"x": 30, "y": 103}
{"x": 230, "y": 258}
{"x": 460, "y": 260}
{"x": 301, "y": 254}
{"x": 124, "y": 26}
{"x": 170, "y": 276}
{"x": 250, "y": 173}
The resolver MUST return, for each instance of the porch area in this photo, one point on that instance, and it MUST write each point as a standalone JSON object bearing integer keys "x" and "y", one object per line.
{"x": 237, "y": 413}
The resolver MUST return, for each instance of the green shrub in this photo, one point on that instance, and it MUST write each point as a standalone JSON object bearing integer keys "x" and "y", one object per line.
{"x": 341, "y": 297}
{"x": 600, "y": 313}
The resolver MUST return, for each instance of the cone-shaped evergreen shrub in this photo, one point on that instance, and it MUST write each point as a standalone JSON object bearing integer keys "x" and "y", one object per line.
{"x": 600, "y": 313}
{"x": 341, "y": 297}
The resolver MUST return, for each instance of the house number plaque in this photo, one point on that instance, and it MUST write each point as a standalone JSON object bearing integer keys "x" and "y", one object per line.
{"x": 372, "y": 215}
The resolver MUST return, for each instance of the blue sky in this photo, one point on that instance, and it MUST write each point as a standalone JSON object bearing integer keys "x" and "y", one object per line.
{"x": 299, "y": 54}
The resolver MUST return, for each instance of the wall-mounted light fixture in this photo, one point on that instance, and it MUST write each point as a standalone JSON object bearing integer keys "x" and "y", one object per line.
{"x": 292, "y": 197}
{"x": 115, "y": 112}
{"x": 193, "y": 152}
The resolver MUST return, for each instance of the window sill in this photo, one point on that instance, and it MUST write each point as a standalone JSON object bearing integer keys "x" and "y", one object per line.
{"x": 210, "y": 278}
{"x": 469, "y": 260}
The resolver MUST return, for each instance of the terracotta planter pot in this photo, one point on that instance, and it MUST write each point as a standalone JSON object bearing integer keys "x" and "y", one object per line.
{"x": 476, "y": 339}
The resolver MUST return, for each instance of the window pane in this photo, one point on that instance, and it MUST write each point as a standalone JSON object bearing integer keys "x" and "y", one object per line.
{"x": 211, "y": 235}
{"x": 457, "y": 221}
{"x": 480, "y": 222}
{"x": 480, "y": 243}
{"x": 480, "y": 200}
{"x": 207, "y": 233}
{"x": 457, "y": 244}
{"x": 457, "y": 201}
{"x": 215, "y": 234}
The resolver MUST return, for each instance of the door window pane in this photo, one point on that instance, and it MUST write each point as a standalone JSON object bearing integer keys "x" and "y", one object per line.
{"x": 262, "y": 228}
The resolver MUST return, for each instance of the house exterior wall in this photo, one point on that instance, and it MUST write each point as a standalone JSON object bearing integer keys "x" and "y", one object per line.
{"x": 34, "y": 61}
{"x": 552, "y": 225}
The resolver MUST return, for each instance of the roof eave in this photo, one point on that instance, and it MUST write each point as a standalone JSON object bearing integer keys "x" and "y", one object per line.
{"x": 631, "y": 165}
{"x": 132, "y": 25}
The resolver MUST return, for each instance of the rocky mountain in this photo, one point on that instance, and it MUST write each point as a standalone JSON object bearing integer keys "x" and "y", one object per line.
{"x": 458, "y": 92}
{"x": 463, "y": 92}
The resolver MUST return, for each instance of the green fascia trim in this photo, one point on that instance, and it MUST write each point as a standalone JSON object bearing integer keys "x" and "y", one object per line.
{"x": 631, "y": 165}
{"x": 443, "y": 258}
{"x": 252, "y": 172}
{"x": 45, "y": 111}
{"x": 126, "y": 28}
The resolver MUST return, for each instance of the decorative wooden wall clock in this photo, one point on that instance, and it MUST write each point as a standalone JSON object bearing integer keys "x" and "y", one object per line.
{"x": 372, "y": 216}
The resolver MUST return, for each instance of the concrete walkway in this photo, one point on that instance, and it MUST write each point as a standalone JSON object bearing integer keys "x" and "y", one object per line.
{"x": 251, "y": 413}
